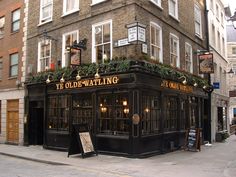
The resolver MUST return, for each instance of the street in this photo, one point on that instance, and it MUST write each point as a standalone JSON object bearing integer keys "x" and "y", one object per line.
{"x": 218, "y": 160}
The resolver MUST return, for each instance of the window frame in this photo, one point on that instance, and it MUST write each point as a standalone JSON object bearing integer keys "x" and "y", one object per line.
{"x": 197, "y": 11}
{"x": 176, "y": 12}
{"x": 64, "y": 52}
{"x": 94, "y": 2}
{"x": 13, "y": 65}
{"x": 1, "y": 67}
{"x": 94, "y": 58}
{"x": 156, "y": 27}
{"x": 39, "y": 69}
{"x": 3, "y": 26}
{"x": 171, "y": 112}
{"x": 175, "y": 39}
{"x": 15, "y": 21}
{"x": 191, "y": 57}
{"x": 76, "y": 9}
{"x": 46, "y": 19}
{"x": 156, "y": 2}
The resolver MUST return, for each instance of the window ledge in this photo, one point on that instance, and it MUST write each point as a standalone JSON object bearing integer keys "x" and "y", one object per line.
{"x": 157, "y": 5}
{"x": 12, "y": 77}
{"x": 175, "y": 18}
{"x": 69, "y": 13}
{"x": 93, "y": 4}
{"x": 198, "y": 36}
{"x": 40, "y": 24}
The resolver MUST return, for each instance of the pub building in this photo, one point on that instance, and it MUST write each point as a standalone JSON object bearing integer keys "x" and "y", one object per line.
{"x": 133, "y": 111}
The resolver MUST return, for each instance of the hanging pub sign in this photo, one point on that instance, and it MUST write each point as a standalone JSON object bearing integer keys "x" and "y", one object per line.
{"x": 136, "y": 32}
{"x": 75, "y": 56}
{"x": 206, "y": 65}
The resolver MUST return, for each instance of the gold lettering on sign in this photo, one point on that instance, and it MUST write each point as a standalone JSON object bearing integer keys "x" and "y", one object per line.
{"x": 176, "y": 86}
{"x": 88, "y": 83}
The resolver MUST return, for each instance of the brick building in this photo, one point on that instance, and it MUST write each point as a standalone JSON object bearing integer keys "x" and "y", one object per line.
{"x": 12, "y": 75}
{"x": 170, "y": 33}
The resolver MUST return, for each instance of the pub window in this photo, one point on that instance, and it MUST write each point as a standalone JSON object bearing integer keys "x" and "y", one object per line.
{"x": 44, "y": 55}
{"x": 82, "y": 110}
{"x": 170, "y": 121}
{"x": 114, "y": 114}
{"x": 13, "y": 65}
{"x": 184, "y": 111}
{"x": 58, "y": 113}
{"x": 15, "y": 20}
{"x": 102, "y": 42}
{"x": 193, "y": 111}
{"x": 150, "y": 114}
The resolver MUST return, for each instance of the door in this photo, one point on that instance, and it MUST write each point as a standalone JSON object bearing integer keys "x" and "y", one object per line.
{"x": 13, "y": 121}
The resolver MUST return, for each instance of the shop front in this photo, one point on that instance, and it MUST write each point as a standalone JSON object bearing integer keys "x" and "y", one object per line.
{"x": 131, "y": 113}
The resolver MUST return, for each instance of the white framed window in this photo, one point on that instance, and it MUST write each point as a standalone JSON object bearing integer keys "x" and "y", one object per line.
{"x": 156, "y": 42}
{"x": 70, "y": 6}
{"x": 156, "y": 2}
{"x": 97, "y": 1}
{"x": 2, "y": 24}
{"x": 102, "y": 42}
{"x": 173, "y": 8}
{"x": 188, "y": 58}
{"x": 44, "y": 55}
{"x": 68, "y": 39}
{"x": 15, "y": 20}
{"x": 46, "y": 7}
{"x": 198, "y": 20}
{"x": 14, "y": 59}
{"x": 174, "y": 50}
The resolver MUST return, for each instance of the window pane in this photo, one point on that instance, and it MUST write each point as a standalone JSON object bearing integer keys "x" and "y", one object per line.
{"x": 46, "y": 12}
{"x": 16, "y": 26}
{"x": 14, "y": 59}
{"x": 16, "y": 15}
{"x": 14, "y": 71}
{"x": 99, "y": 52}
{"x": 98, "y": 35}
{"x": 106, "y": 33}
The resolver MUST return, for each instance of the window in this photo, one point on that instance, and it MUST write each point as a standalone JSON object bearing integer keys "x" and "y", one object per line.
{"x": 156, "y": 42}
{"x": 102, "y": 42}
{"x": 70, "y": 6}
{"x": 213, "y": 31}
{"x": 188, "y": 58}
{"x": 15, "y": 20}
{"x": 198, "y": 21}
{"x": 1, "y": 68}
{"x": 58, "y": 114}
{"x": 170, "y": 121}
{"x": 46, "y": 11}
{"x": 113, "y": 115}
{"x": 234, "y": 69}
{"x": 217, "y": 12}
{"x": 222, "y": 19}
{"x": 223, "y": 46}
{"x": 151, "y": 110}
{"x": 218, "y": 40}
{"x": 174, "y": 51}
{"x": 97, "y": 1}
{"x": 68, "y": 40}
{"x": 234, "y": 50}
{"x": 2, "y": 24}
{"x": 44, "y": 55}
{"x": 14, "y": 65}
{"x": 156, "y": 2}
{"x": 173, "y": 8}
{"x": 193, "y": 107}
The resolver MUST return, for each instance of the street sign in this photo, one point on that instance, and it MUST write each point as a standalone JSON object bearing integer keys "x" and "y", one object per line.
{"x": 216, "y": 85}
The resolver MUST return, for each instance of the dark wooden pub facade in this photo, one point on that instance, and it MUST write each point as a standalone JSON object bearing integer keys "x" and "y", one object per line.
{"x": 133, "y": 113}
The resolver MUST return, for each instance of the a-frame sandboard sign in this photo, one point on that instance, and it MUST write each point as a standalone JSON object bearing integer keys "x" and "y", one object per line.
{"x": 81, "y": 141}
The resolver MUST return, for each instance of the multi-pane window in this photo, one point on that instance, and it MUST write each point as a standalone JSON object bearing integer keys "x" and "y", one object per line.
{"x": 58, "y": 113}
{"x": 174, "y": 51}
{"x": 46, "y": 7}
{"x": 97, "y": 1}
{"x": 173, "y": 8}
{"x": 70, "y": 6}
{"x": 114, "y": 114}
{"x": 151, "y": 110}
{"x": 44, "y": 55}
{"x": 156, "y": 2}
{"x": 14, "y": 65}
{"x": 233, "y": 50}
{"x": 102, "y": 42}
{"x": 1, "y": 68}
{"x": 155, "y": 42}
{"x": 170, "y": 121}
{"x": 197, "y": 20}
{"x": 2, "y": 24}
{"x": 193, "y": 111}
{"x": 15, "y": 20}
{"x": 68, "y": 40}
{"x": 188, "y": 58}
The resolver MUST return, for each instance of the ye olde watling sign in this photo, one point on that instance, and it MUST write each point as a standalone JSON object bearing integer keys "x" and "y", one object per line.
{"x": 176, "y": 86}
{"x": 88, "y": 83}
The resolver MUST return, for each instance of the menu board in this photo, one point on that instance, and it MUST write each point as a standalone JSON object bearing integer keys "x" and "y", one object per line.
{"x": 193, "y": 140}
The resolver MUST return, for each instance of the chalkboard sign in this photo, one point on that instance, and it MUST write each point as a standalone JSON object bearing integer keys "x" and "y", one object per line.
{"x": 193, "y": 139}
{"x": 81, "y": 141}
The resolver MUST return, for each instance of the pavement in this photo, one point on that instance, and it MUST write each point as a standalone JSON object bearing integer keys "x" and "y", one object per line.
{"x": 216, "y": 160}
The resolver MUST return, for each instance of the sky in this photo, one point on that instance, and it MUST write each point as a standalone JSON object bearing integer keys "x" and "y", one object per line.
{"x": 232, "y": 4}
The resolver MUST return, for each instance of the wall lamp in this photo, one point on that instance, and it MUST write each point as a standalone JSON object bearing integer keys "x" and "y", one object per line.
{"x": 78, "y": 77}
{"x": 184, "y": 81}
{"x": 231, "y": 72}
{"x": 96, "y": 74}
{"x": 208, "y": 89}
{"x": 62, "y": 80}
{"x": 48, "y": 80}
